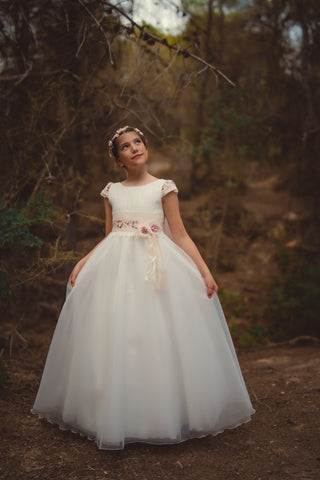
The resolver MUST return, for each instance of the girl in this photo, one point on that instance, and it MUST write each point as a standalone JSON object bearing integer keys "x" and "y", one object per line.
{"x": 142, "y": 351}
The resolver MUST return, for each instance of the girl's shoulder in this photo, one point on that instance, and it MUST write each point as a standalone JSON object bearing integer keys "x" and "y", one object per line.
{"x": 167, "y": 187}
{"x": 106, "y": 190}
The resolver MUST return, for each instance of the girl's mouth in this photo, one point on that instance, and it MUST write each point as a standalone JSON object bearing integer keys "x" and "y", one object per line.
{"x": 136, "y": 156}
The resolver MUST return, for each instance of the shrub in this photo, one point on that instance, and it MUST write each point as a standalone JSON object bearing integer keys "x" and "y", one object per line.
{"x": 293, "y": 306}
{"x": 22, "y": 235}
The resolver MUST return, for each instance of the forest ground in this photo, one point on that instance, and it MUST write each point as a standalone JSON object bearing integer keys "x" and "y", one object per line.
{"x": 280, "y": 443}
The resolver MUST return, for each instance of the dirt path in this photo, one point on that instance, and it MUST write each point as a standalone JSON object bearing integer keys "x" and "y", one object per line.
{"x": 280, "y": 443}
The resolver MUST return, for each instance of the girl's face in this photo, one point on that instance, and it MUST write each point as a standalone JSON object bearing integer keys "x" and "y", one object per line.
{"x": 131, "y": 150}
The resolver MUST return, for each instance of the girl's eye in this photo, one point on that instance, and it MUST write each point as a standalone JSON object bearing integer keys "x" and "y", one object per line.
{"x": 126, "y": 145}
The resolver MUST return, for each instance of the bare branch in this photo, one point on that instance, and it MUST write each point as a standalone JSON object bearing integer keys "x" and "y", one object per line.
{"x": 151, "y": 37}
{"x": 97, "y": 22}
{"x": 19, "y": 77}
{"x": 169, "y": 65}
{"x": 134, "y": 113}
{"x": 47, "y": 167}
{"x": 22, "y": 76}
{"x": 192, "y": 76}
{"x": 83, "y": 38}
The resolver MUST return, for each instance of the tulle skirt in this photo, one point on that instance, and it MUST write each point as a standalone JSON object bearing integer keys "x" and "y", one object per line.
{"x": 132, "y": 363}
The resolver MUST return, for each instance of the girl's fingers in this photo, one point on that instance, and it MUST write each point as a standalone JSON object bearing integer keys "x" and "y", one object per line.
{"x": 72, "y": 279}
{"x": 73, "y": 275}
{"x": 212, "y": 290}
{"x": 212, "y": 287}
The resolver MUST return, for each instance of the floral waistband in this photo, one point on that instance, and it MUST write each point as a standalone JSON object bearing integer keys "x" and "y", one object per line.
{"x": 137, "y": 227}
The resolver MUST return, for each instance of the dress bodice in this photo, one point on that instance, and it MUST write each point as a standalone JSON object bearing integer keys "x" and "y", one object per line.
{"x": 134, "y": 205}
{"x": 141, "y": 199}
{"x": 137, "y": 211}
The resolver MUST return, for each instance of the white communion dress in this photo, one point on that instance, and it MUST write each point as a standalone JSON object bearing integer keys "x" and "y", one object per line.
{"x": 140, "y": 353}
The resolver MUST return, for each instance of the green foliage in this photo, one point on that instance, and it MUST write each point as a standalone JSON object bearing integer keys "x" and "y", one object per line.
{"x": 21, "y": 231}
{"x": 256, "y": 335}
{"x": 205, "y": 149}
{"x": 239, "y": 126}
{"x": 237, "y": 130}
{"x": 247, "y": 333}
{"x": 17, "y": 221}
{"x": 231, "y": 302}
{"x": 293, "y": 306}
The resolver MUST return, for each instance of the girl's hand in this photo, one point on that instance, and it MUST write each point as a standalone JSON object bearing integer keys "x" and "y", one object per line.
{"x": 212, "y": 287}
{"x": 75, "y": 272}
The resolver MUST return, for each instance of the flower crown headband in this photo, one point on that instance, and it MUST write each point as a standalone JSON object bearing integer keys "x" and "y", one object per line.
{"x": 119, "y": 132}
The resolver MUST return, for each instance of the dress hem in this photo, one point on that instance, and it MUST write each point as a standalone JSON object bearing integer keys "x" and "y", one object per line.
{"x": 200, "y": 434}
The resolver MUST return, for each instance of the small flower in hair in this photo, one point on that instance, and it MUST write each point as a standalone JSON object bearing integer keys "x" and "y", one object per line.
{"x": 139, "y": 131}
{"x": 110, "y": 145}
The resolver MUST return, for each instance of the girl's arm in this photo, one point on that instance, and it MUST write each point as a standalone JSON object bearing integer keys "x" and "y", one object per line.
{"x": 171, "y": 209}
{"x": 75, "y": 272}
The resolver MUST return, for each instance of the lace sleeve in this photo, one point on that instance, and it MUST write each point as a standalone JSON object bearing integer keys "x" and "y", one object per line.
{"x": 105, "y": 192}
{"x": 167, "y": 187}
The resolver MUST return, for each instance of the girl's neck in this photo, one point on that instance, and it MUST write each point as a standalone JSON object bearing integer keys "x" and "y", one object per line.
{"x": 138, "y": 178}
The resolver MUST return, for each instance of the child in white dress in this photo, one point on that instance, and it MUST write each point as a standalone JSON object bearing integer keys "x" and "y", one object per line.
{"x": 141, "y": 350}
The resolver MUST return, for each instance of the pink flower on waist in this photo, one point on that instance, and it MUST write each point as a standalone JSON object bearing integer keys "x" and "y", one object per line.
{"x": 153, "y": 229}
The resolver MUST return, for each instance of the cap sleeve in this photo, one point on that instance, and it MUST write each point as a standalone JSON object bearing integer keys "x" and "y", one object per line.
{"x": 105, "y": 192}
{"x": 167, "y": 187}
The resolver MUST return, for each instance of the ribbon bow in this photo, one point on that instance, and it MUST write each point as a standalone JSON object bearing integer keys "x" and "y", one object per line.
{"x": 154, "y": 270}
